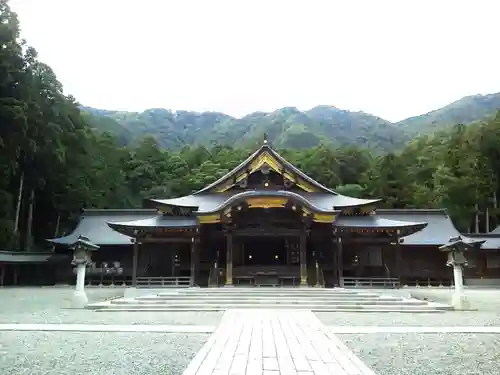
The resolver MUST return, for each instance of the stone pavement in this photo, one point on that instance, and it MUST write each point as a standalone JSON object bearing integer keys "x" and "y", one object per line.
{"x": 274, "y": 342}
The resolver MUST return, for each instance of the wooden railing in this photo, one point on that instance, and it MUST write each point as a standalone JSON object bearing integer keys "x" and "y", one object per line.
{"x": 164, "y": 282}
{"x": 370, "y": 282}
{"x": 428, "y": 283}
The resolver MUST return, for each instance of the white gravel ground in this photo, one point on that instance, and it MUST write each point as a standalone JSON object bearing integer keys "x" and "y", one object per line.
{"x": 50, "y": 306}
{"x": 449, "y": 318}
{"x": 63, "y": 353}
{"x": 427, "y": 354}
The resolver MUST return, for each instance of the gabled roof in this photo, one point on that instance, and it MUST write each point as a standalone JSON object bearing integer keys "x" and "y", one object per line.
{"x": 93, "y": 225}
{"x": 439, "y": 227}
{"x": 267, "y": 156}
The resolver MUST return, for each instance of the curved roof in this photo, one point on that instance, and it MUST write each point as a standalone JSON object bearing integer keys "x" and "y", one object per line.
{"x": 205, "y": 203}
{"x": 158, "y": 221}
{"x": 377, "y": 222}
{"x": 93, "y": 225}
{"x": 280, "y": 193}
{"x": 439, "y": 227}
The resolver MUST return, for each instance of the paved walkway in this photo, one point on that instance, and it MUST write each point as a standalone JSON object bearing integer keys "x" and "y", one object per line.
{"x": 272, "y": 342}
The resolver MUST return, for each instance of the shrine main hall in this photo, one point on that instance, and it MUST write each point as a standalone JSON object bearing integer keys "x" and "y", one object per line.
{"x": 266, "y": 223}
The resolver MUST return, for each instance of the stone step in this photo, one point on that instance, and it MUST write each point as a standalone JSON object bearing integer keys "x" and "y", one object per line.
{"x": 268, "y": 294}
{"x": 269, "y": 297}
{"x": 220, "y": 307}
{"x": 252, "y": 289}
{"x": 311, "y": 301}
{"x": 319, "y": 309}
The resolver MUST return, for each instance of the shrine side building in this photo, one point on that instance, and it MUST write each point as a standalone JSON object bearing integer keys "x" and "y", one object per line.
{"x": 266, "y": 223}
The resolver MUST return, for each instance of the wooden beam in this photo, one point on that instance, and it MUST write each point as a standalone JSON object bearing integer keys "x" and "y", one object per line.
{"x": 340, "y": 264}
{"x": 229, "y": 259}
{"x": 135, "y": 259}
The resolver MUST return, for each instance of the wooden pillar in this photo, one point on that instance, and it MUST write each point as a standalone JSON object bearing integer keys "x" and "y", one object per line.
{"x": 197, "y": 260}
{"x": 229, "y": 258}
{"x": 135, "y": 259}
{"x": 193, "y": 262}
{"x": 14, "y": 268}
{"x": 288, "y": 253}
{"x": 303, "y": 258}
{"x": 397, "y": 247}
{"x": 340, "y": 264}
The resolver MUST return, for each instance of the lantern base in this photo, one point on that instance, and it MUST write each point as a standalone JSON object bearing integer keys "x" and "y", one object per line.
{"x": 79, "y": 300}
{"x": 459, "y": 301}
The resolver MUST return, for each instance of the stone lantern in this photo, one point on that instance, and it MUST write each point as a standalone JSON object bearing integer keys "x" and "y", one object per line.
{"x": 456, "y": 249}
{"x": 82, "y": 250}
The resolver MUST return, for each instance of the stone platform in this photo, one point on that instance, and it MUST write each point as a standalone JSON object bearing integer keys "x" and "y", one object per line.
{"x": 314, "y": 299}
{"x": 266, "y": 342}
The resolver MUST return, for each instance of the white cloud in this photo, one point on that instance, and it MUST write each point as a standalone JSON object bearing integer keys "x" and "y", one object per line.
{"x": 391, "y": 58}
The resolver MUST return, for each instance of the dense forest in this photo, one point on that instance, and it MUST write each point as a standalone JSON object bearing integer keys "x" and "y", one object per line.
{"x": 55, "y": 162}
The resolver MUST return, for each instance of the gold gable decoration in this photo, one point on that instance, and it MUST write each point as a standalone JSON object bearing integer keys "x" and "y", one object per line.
{"x": 324, "y": 218}
{"x": 266, "y": 159}
{"x": 267, "y": 202}
{"x": 209, "y": 219}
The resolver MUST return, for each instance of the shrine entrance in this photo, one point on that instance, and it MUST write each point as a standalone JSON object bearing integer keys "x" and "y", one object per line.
{"x": 264, "y": 251}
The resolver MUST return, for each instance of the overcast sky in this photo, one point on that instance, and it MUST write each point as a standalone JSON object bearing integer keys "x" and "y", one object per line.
{"x": 394, "y": 59}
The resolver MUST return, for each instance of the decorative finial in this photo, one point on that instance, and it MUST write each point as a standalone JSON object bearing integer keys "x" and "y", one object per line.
{"x": 265, "y": 138}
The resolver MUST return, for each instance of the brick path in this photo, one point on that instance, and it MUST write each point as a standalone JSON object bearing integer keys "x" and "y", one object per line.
{"x": 272, "y": 342}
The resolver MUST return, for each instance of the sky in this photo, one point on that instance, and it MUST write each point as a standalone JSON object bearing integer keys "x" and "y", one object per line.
{"x": 391, "y": 58}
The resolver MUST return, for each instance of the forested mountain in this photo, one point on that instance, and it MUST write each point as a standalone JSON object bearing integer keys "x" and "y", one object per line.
{"x": 464, "y": 111}
{"x": 288, "y": 127}
{"x": 54, "y": 162}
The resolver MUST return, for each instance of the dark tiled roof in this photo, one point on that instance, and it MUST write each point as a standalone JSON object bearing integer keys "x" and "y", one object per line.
{"x": 206, "y": 203}
{"x": 439, "y": 227}
{"x": 93, "y": 225}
